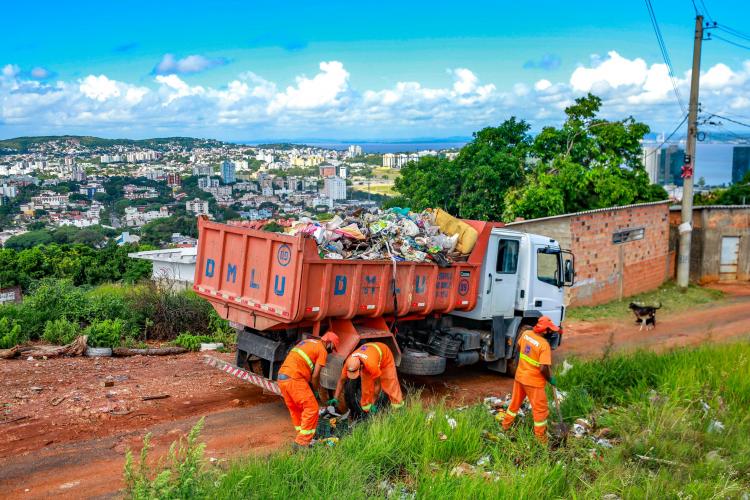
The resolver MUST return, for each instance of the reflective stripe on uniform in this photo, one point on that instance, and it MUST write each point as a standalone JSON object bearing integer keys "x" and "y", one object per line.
{"x": 512, "y": 414}
{"x": 398, "y": 405}
{"x": 543, "y": 423}
{"x": 529, "y": 360}
{"x": 304, "y": 356}
{"x": 379, "y": 352}
{"x": 367, "y": 407}
{"x": 297, "y": 428}
{"x": 307, "y": 431}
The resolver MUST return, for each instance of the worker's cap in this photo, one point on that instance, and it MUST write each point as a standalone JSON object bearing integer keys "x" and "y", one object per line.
{"x": 545, "y": 323}
{"x": 353, "y": 367}
{"x": 332, "y": 338}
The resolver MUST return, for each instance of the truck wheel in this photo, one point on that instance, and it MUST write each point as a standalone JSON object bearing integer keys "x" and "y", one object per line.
{"x": 331, "y": 372}
{"x": 512, "y": 365}
{"x": 420, "y": 363}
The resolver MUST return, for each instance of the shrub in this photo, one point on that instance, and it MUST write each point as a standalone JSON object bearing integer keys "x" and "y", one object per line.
{"x": 60, "y": 331}
{"x": 10, "y": 333}
{"x": 170, "y": 312}
{"x": 52, "y": 299}
{"x": 191, "y": 342}
{"x": 107, "y": 333}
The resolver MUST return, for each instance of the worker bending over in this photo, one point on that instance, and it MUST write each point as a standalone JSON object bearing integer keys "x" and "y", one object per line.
{"x": 532, "y": 375}
{"x": 374, "y": 365}
{"x": 298, "y": 375}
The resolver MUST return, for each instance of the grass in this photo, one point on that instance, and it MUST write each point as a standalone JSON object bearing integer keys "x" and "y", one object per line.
{"x": 659, "y": 406}
{"x": 386, "y": 189}
{"x": 671, "y": 297}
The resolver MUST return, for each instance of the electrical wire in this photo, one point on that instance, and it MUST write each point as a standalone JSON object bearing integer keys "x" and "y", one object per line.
{"x": 668, "y": 137}
{"x": 730, "y": 120}
{"x": 705, "y": 10}
{"x": 664, "y": 53}
{"x": 733, "y": 32}
{"x": 717, "y": 37}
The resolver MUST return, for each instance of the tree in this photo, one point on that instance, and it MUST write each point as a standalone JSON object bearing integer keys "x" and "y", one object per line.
{"x": 737, "y": 194}
{"x": 586, "y": 164}
{"x": 473, "y": 185}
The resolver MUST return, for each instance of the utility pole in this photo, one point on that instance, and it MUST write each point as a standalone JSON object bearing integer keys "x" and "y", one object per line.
{"x": 688, "y": 169}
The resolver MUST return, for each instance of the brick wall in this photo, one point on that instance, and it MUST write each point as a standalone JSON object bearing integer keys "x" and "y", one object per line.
{"x": 605, "y": 270}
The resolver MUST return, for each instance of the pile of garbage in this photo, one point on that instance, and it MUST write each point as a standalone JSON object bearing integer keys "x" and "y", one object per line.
{"x": 395, "y": 234}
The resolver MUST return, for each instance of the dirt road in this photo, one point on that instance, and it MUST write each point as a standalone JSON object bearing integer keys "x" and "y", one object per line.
{"x": 62, "y": 432}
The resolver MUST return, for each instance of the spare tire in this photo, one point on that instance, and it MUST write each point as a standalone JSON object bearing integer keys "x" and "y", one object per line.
{"x": 415, "y": 362}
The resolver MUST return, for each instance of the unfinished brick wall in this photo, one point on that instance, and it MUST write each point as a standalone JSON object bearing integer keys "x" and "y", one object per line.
{"x": 606, "y": 270}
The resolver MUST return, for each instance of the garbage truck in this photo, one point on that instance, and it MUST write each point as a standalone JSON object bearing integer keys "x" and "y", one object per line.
{"x": 275, "y": 289}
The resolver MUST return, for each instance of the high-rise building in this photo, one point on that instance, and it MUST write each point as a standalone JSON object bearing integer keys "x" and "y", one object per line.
{"x": 228, "y": 172}
{"x": 174, "y": 179}
{"x": 671, "y": 160}
{"x": 651, "y": 163}
{"x": 335, "y": 188}
{"x": 740, "y": 162}
{"x": 354, "y": 150}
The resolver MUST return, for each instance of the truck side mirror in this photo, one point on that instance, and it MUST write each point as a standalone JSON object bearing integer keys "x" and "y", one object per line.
{"x": 569, "y": 272}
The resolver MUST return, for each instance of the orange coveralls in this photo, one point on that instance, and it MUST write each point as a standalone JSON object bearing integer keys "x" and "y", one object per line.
{"x": 295, "y": 376}
{"x": 534, "y": 352}
{"x": 377, "y": 362}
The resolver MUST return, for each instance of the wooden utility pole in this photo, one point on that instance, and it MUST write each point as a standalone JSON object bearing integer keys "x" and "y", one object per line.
{"x": 688, "y": 170}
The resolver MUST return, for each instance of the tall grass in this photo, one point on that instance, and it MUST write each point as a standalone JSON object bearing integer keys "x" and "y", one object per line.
{"x": 661, "y": 407}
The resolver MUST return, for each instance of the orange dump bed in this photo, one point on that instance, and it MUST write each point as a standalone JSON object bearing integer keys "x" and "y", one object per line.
{"x": 268, "y": 280}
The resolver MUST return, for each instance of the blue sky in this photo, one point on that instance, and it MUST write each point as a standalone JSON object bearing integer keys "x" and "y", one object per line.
{"x": 350, "y": 70}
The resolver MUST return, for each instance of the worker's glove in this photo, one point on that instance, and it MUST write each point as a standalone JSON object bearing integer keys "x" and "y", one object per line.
{"x": 317, "y": 395}
{"x": 373, "y": 410}
{"x": 553, "y": 381}
{"x": 332, "y": 402}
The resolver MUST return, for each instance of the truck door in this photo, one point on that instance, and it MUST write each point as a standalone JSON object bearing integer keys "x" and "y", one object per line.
{"x": 547, "y": 279}
{"x": 501, "y": 276}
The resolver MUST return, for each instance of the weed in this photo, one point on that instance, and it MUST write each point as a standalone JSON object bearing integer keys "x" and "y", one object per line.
{"x": 60, "y": 331}
{"x": 661, "y": 408}
{"x": 191, "y": 342}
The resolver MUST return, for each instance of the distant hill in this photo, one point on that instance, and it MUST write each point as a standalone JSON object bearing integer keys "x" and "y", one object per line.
{"x": 24, "y": 144}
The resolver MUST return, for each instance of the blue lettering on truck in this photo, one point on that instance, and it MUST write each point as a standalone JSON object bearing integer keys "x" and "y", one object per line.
{"x": 463, "y": 287}
{"x": 419, "y": 286}
{"x": 443, "y": 284}
{"x": 210, "y": 265}
{"x": 370, "y": 282}
{"x": 284, "y": 255}
{"x": 279, "y": 289}
{"x": 231, "y": 272}
{"x": 253, "y": 284}
{"x": 339, "y": 285}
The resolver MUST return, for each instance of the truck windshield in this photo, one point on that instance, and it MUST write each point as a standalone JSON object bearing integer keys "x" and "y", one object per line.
{"x": 548, "y": 266}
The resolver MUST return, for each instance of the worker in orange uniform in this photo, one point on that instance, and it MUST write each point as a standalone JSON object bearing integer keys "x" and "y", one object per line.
{"x": 374, "y": 365}
{"x": 532, "y": 375}
{"x": 298, "y": 375}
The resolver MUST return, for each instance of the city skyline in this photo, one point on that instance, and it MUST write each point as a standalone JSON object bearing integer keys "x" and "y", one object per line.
{"x": 344, "y": 72}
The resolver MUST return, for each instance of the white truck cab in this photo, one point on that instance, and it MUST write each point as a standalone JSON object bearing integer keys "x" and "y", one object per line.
{"x": 523, "y": 278}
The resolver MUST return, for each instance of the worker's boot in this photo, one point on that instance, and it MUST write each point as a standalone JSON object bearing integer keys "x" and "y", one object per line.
{"x": 298, "y": 447}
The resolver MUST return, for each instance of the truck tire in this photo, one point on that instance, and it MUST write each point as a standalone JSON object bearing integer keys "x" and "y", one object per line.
{"x": 420, "y": 363}
{"x": 512, "y": 365}
{"x": 331, "y": 372}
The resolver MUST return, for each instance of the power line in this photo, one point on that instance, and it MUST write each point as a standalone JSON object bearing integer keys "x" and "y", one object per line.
{"x": 733, "y": 32}
{"x": 664, "y": 53}
{"x": 717, "y": 37}
{"x": 705, "y": 9}
{"x": 730, "y": 120}
{"x": 668, "y": 137}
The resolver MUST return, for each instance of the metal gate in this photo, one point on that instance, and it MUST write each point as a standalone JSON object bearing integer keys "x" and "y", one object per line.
{"x": 730, "y": 246}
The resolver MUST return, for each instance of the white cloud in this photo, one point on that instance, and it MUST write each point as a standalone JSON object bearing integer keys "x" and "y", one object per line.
{"x": 40, "y": 73}
{"x": 327, "y": 105}
{"x": 616, "y": 71}
{"x": 99, "y": 88}
{"x": 542, "y": 85}
{"x": 169, "y": 64}
{"x": 324, "y": 89}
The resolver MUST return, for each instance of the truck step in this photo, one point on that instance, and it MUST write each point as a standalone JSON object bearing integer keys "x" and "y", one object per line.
{"x": 253, "y": 378}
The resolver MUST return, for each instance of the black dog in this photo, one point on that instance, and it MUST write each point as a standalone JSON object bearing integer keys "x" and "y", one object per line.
{"x": 645, "y": 315}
